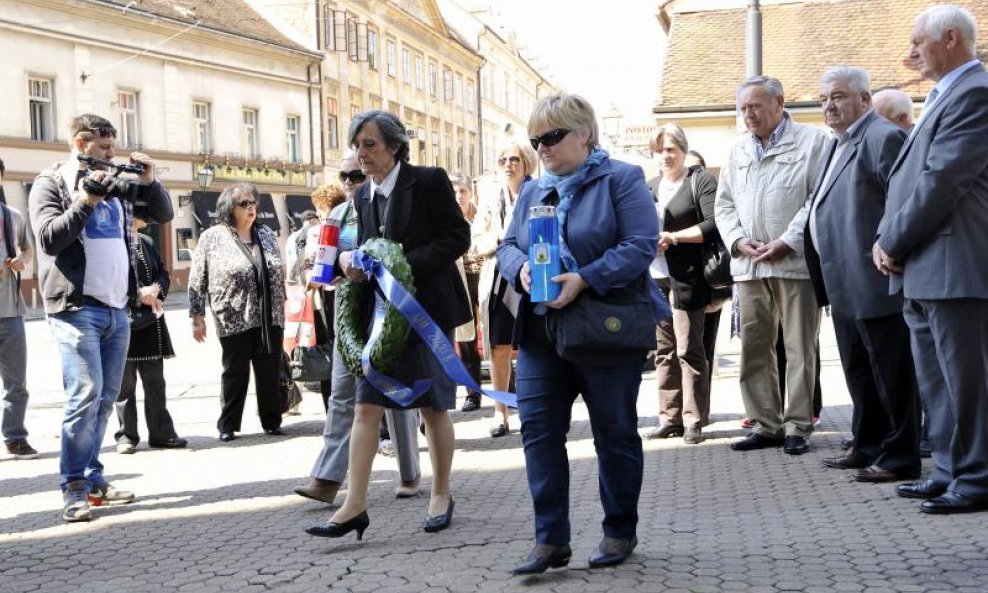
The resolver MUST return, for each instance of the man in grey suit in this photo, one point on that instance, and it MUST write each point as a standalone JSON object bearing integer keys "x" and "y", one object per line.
{"x": 932, "y": 244}
{"x": 873, "y": 339}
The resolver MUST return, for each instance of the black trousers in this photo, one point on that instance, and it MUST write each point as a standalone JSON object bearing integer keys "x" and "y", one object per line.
{"x": 468, "y": 350}
{"x": 325, "y": 323}
{"x": 241, "y": 352}
{"x": 159, "y": 421}
{"x": 878, "y": 368}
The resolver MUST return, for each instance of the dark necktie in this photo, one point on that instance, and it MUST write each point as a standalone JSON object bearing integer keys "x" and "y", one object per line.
{"x": 381, "y": 203}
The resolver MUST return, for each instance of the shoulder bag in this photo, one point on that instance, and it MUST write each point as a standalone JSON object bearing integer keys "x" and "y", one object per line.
{"x": 716, "y": 258}
{"x": 311, "y": 363}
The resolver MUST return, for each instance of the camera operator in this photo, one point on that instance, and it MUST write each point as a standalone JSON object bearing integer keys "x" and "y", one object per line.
{"x": 86, "y": 273}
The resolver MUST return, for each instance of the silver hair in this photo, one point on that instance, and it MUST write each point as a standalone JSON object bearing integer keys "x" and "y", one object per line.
{"x": 392, "y": 131}
{"x": 898, "y": 100}
{"x": 857, "y": 78}
{"x": 935, "y": 21}
{"x": 349, "y": 155}
{"x": 770, "y": 84}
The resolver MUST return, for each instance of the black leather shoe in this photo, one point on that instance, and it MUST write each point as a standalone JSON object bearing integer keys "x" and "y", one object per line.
{"x": 693, "y": 435}
{"x": 275, "y": 432}
{"x": 874, "y": 474}
{"x": 612, "y": 551}
{"x": 951, "y": 502}
{"x": 330, "y": 529}
{"x": 795, "y": 445}
{"x": 440, "y": 522}
{"x": 471, "y": 403}
{"x": 542, "y": 557}
{"x": 924, "y": 489}
{"x": 755, "y": 441}
{"x": 172, "y": 443}
{"x": 664, "y": 431}
{"x": 853, "y": 460}
{"x": 226, "y": 437}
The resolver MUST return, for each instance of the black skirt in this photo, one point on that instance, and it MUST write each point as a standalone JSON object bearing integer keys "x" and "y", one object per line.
{"x": 417, "y": 362}
{"x": 151, "y": 343}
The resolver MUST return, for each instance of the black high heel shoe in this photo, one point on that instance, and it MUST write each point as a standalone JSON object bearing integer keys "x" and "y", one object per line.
{"x": 439, "y": 522}
{"x": 330, "y": 529}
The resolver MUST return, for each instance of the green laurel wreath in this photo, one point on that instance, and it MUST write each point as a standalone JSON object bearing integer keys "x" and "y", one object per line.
{"x": 354, "y": 301}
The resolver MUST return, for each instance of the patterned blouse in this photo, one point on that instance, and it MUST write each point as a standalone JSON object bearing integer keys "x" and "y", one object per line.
{"x": 224, "y": 277}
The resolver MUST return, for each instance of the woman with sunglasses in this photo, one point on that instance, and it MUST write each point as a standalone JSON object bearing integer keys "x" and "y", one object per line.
{"x": 238, "y": 270}
{"x": 331, "y": 465}
{"x": 516, "y": 162}
{"x": 608, "y": 237}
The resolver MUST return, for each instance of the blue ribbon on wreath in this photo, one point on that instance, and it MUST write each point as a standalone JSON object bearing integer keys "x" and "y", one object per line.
{"x": 391, "y": 291}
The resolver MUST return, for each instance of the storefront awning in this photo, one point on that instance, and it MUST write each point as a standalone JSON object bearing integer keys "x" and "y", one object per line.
{"x": 296, "y": 205}
{"x": 204, "y": 210}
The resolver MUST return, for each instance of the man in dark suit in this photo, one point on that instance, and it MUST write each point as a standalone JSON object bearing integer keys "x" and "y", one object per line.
{"x": 932, "y": 243}
{"x": 873, "y": 339}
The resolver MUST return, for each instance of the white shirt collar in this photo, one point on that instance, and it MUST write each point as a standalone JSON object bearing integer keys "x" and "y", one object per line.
{"x": 387, "y": 184}
{"x": 948, "y": 80}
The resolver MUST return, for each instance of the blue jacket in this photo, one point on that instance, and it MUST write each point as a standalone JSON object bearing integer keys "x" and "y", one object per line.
{"x": 611, "y": 230}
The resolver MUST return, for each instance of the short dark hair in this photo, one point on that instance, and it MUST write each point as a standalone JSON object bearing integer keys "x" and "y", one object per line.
{"x": 392, "y": 131}
{"x": 228, "y": 201}
{"x": 89, "y": 125}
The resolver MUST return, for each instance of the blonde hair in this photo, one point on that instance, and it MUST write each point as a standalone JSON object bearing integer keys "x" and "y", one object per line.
{"x": 672, "y": 133}
{"x": 327, "y": 197}
{"x": 528, "y": 155}
{"x": 563, "y": 110}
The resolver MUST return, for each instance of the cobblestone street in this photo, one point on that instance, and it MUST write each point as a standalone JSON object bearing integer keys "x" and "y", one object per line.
{"x": 222, "y": 517}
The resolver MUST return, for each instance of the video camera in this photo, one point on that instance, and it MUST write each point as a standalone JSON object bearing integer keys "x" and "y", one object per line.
{"x": 112, "y": 186}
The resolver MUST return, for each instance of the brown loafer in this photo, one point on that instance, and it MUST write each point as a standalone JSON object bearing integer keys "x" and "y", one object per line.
{"x": 318, "y": 489}
{"x": 874, "y": 474}
{"x": 853, "y": 460}
{"x": 407, "y": 489}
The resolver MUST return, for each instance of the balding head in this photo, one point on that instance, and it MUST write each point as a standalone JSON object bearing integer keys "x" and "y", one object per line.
{"x": 895, "y": 106}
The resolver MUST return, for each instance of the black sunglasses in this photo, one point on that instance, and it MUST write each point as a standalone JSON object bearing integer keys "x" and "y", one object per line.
{"x": 514, "y": 160}
{"x": 247, "y": 203}
{"x": 356, "y": 176}
{"x": 549, "y": 138}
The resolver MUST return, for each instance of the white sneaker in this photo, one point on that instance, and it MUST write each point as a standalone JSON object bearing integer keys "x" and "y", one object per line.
{"x": 76, "y": 506}
{"x": 125, "y": 448}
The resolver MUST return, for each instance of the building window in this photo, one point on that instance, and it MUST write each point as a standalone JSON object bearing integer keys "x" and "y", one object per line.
{"x": 485, "y": 82}
{"x": 41, "y": 107}
{"x": 432, "y": 79}
{"x": 419, "y": 74}
{"x": 291, "y": 138}
{"x": 329, "y": 28}
{"x": 447, "y": 84}
{"x": 128, "y": 134}
{"x": 458, "y": 90}
{"x": 332, "y": 123}
{"x": 201, "y": 132}
{"x": 248, "y": 138}
{"x": 435, "y": 149}
{"x": 392, "y": 66}
{"x": 406, "y": 66}
{"x": 507, "y": 91}
{"x": 471, "y": 96}
{"x": 351, "y": 40}
{"x": 372, "y": 49}
{"x": 354, "y": 110}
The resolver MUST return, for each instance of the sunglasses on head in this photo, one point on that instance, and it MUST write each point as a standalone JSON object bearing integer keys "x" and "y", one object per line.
{"x": 549, "y": 138}
{"x": 247, "y": 203}
{"x": 514, "y": 160}
{"x": 355, "y": 176}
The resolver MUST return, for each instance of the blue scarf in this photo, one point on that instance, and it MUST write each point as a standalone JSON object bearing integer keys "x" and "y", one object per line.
{"x": 566, "y": 186}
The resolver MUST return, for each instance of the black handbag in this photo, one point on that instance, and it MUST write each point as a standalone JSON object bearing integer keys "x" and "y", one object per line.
{"x": 716, "y": 257}
{"x": 141, "y": 318}
{"x": 289, "y": 394}
{"x": 312, "y": 363}
{"x": 604, "y": 330}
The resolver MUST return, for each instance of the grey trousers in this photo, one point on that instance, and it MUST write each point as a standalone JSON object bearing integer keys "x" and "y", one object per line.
{"x": 13, "y": 373}
{"x": 334, "y": 459}
{"x": 766, "y": 303}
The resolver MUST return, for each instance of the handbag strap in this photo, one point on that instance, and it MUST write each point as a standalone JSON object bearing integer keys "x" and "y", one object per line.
{"x": 693, "y": 194}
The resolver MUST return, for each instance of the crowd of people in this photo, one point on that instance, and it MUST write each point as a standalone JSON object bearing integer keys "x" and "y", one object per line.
{"x": 880, "y": 220}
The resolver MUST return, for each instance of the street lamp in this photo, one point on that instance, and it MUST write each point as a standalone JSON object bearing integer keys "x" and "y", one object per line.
{"x": 612, "y": 125}
{"x": 206, "y": 176}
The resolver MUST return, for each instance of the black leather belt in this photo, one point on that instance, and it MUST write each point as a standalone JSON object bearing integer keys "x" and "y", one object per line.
{"x": 91, "y": 302}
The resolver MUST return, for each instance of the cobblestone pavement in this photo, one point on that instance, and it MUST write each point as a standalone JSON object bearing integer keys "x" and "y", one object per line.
{"x": 222, "y": 517}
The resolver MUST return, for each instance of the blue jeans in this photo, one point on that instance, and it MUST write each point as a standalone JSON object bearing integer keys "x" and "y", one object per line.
{"x": 93, "y": 343}
{"x": 547, "y": 388}
{"x": 13, "y": 372}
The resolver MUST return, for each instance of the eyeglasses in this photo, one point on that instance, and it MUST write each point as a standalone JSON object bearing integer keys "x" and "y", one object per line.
{"x": 549, "y": 138}
{"x": 247, "y": 203}
{"x": 514, "y": 160}
{"x": 356, "y": 176}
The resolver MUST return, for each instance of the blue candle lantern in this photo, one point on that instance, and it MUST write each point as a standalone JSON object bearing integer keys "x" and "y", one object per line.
{"x": 543, "y": 253}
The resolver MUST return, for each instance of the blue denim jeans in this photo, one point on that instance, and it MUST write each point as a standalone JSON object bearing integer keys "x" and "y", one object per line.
{"x": 93, "y": 343}
{"x": 13, "y": 372}
{"x": 547, "y": 388}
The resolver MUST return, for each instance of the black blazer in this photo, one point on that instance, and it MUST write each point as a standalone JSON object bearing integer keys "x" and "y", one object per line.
{"x": 424, "y": 217}
{"x": 686, "y": 259}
